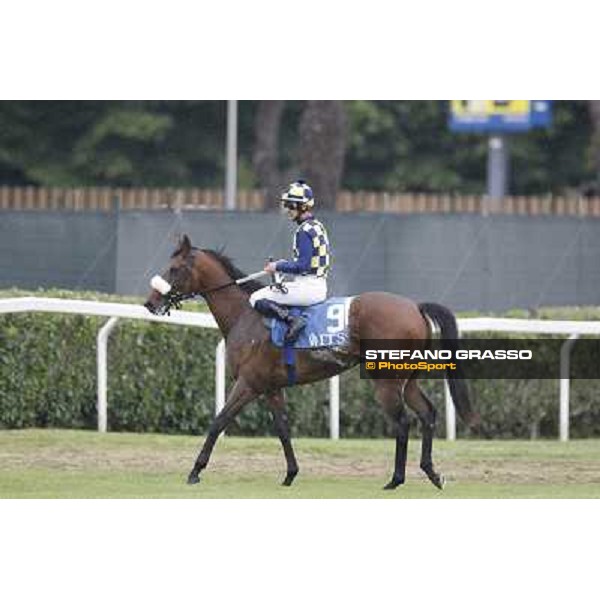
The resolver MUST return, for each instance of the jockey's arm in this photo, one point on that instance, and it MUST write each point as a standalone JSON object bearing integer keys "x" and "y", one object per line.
{"x": 302, "y": 263}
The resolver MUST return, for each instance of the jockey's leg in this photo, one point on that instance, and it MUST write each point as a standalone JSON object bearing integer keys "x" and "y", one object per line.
{"x": 270, "y": 308}
{"x": 275, "y": 303}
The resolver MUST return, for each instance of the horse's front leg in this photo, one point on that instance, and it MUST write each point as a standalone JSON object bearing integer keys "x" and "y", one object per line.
{"x": 276, "y": 404}
{"x": 239, "y": 396}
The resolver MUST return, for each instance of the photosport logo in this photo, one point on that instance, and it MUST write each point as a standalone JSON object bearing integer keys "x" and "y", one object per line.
{"x": 406, "y": 360}
{"x": 490, "y": 358}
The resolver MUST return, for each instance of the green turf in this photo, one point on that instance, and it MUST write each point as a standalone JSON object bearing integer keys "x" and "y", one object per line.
{"x": 84, "y": 464}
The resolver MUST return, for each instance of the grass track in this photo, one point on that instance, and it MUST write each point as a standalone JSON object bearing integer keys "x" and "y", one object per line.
{"x": 85, "y": 464}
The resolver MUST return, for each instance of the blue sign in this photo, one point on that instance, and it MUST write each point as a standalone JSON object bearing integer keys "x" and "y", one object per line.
{"x": 499, "y": 115}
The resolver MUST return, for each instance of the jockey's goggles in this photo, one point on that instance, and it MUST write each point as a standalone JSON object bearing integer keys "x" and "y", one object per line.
{"x": 289, "y": 205}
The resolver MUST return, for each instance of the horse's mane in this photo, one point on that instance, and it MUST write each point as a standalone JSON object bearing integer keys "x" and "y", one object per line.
{"x": 235, "y": 273}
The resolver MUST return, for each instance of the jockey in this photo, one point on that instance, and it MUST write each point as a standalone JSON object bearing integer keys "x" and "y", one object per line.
{"x": 309, "y": 266}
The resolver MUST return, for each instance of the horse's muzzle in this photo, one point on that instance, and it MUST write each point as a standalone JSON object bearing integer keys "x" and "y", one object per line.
{"x": 156, "y": 303}
{"x": 153, "y": 309}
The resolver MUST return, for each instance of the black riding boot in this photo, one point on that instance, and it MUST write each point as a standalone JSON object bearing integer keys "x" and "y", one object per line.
{"x": 269, "y": 308}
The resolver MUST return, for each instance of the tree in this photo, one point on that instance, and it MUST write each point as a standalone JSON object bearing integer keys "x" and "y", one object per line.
{"x": 407, "y": 146}
{"x": 372, "y": 145}
{"x": 318, "y": 156}
{"x": 594, "y": 108}
{"x": 144, "y": 143}
{"x": 323, "y": 138}
{"x": 265, "y": 155}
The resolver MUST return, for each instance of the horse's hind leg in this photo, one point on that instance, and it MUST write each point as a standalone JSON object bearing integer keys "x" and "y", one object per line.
{"x": 420, "y": 403}
{"x": 390, "y": 398}
{"x": 276, "y": 404}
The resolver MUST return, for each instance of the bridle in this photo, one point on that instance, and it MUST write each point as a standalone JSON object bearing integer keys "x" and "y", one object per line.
{"x": 173, "y": 299}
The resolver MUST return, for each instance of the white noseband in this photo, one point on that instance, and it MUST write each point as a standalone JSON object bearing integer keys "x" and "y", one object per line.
{"x": 160, "y": 285}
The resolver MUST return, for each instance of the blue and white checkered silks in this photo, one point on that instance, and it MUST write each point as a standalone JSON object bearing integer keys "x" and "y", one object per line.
{"x": 320, "y": 259}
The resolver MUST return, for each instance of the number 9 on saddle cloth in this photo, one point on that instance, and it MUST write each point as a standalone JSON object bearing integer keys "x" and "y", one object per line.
{"x": 325, "y": 325}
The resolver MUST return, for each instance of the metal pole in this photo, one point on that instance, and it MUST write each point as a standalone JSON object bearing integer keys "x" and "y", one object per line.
{"x": 497, "y": 170}
{"x": 101, "y": 362}
{"x": 231, "y": 156}
{"x": 334, "y": 408}
{"x": 450, "y": 413}
{"x": 565, "y": 360}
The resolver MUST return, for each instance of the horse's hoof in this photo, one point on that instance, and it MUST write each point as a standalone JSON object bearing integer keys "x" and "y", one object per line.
{"x": 289, "y": 478}
{"x": 392, "y": 485}
{"x": 193, "y": 478}
{"x": 438, "y": 480}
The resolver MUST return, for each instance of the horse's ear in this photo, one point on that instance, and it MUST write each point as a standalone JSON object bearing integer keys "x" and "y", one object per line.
{"x": 185, "y": 245}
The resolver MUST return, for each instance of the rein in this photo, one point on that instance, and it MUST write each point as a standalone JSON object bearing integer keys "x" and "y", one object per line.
{"x": 174, "y": 299}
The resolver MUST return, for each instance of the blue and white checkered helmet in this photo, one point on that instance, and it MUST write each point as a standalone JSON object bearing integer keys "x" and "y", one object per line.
{"x": 299, "y": 192}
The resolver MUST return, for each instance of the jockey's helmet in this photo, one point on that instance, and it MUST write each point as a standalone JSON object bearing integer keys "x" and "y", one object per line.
{"x": 300, "y": 194}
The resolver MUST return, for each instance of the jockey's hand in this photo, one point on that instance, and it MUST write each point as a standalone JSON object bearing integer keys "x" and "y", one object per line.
{"x": 270, "y": 267}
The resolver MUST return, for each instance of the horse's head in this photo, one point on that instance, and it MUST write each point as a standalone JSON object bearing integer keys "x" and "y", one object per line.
{"x": 194, "y": 271}
{"x": 178, "y": 282}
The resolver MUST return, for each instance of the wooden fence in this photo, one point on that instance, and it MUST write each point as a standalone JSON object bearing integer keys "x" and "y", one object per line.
{"x": 107, "y": 199}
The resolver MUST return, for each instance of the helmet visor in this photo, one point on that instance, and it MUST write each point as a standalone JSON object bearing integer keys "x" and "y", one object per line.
{"x": 290, "y": 205}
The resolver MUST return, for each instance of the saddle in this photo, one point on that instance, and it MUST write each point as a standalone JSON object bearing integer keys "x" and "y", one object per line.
{"x": 326, "y": 325}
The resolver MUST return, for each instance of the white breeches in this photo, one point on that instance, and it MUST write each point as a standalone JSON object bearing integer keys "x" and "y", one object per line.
{"x": 303, "y": 291}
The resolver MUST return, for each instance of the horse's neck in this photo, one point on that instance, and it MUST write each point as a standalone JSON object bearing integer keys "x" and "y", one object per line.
{"x": 227, "y": 304}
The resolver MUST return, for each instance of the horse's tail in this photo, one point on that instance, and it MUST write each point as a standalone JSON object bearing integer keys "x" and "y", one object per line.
{"x": 445, "y": 320}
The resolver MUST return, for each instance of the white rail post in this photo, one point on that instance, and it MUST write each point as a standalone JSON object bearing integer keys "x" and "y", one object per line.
{"x": 220, "y": 357}
{"x": 334, "y": 407}
{"x": 101, "y": 365}
{"x": 565, "y": 362}
{"x": 450, "y": 413}
{"x": 450, "y": 410}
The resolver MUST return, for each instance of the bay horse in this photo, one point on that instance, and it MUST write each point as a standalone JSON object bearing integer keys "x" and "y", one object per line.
{"x": 259, "y": 370}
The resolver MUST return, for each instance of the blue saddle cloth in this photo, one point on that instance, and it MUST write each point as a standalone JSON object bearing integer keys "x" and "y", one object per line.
{"x": 327, "y": 325}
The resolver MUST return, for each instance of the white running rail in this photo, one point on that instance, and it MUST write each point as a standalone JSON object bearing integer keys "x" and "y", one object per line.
{"x": 115, "y": 312}
{"x": 572, "y": 329}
